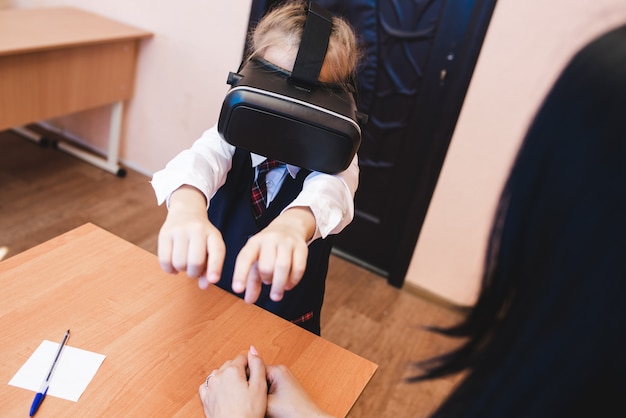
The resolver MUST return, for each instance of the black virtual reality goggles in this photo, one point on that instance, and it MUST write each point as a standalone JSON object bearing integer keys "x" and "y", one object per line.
{"x": 291, "y": 117}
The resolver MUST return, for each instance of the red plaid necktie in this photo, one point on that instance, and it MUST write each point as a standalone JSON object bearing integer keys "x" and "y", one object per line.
{"x": 258, "y": 195}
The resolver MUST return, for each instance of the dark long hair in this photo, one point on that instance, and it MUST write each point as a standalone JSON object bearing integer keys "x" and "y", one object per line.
{"x": 546, "y": 337}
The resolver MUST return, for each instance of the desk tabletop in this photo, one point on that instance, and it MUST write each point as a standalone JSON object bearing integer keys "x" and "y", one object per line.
{"x": 161, "y": 334}
{"x": 38, "y": 29}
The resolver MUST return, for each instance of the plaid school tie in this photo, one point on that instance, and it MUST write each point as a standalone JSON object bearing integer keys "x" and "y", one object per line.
{"x": 258, "y": 195}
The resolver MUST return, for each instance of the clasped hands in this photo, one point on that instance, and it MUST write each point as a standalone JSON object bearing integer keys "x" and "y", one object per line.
{"x": 277, "y": 255}
{"x": 246, "y": 387}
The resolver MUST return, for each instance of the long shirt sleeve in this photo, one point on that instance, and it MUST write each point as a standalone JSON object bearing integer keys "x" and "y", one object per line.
{"x": 206, "y": 164}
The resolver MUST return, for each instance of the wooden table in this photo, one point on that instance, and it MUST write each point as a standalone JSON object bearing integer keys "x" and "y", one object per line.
{"x": 161, "y": 334}
{"x": 57, "y": 61}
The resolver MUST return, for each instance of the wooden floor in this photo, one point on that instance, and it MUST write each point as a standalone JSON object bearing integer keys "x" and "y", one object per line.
{"x": 44, "y": 192}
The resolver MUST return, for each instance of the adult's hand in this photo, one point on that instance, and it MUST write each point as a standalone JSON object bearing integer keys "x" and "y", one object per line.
{"x": 229, "y": 392}
{"x": 287, "y": 398}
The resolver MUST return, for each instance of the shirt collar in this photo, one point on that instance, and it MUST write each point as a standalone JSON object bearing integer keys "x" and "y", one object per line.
{"x": 258, "y": 159}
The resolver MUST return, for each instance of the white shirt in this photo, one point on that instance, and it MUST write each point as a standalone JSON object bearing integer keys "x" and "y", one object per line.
{"x": 206, "y": 164}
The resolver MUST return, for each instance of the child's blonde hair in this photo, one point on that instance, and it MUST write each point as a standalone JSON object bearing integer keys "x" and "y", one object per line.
{"x": 283, "y": 26}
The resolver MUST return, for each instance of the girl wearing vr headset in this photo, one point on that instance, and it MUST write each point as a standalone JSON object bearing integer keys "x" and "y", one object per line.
{"x": 546, "y": 337}
{"x": 280, "y": 259}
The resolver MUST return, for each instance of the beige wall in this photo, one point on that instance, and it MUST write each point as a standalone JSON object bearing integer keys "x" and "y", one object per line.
{"x": 181, "y": 83}
{"x": 527, "y": 44}
{"x": 181, "y": 77}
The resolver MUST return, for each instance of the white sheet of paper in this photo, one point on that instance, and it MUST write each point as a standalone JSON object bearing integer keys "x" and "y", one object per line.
{"x": 72, "y": 374}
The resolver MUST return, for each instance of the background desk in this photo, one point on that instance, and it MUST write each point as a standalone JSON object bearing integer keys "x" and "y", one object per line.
{"x": 57, "y": 61}
{"x": 161, "y": 334}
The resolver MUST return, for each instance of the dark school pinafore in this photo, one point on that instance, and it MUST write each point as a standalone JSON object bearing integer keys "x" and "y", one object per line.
{"x": 231, "y": 212}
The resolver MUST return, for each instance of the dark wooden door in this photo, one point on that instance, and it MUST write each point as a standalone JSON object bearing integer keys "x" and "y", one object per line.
{"x": 418, "y": 60}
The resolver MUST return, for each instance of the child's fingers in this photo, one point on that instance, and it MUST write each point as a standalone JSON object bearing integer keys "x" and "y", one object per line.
{"x": 246, "y": 259}
{"x": 196, "y": 257}
{"x": 253, "y": 285}
{"x": 179, "y": 253}
{"x": 203, "y": 283}
{"x": 165, "y": 253}
{"x": 298, "y": 266}
{"x": 281, "y": 272}
{"x": 267, "y": 261}
{"x": 216, "y": 252}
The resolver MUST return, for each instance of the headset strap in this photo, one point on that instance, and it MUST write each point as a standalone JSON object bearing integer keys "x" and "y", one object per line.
{"x": 313, "y": 46}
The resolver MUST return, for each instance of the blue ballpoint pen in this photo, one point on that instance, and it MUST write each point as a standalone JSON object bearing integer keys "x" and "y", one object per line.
{"x": 46, "y": 383}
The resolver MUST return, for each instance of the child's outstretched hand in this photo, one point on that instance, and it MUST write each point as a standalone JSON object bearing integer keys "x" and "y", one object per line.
{"x": 188, "y": 242}
{"x": 277, "y": 255}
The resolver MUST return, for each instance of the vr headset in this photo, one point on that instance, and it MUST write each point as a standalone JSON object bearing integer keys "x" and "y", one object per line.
{"x": 291, "y": 117}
